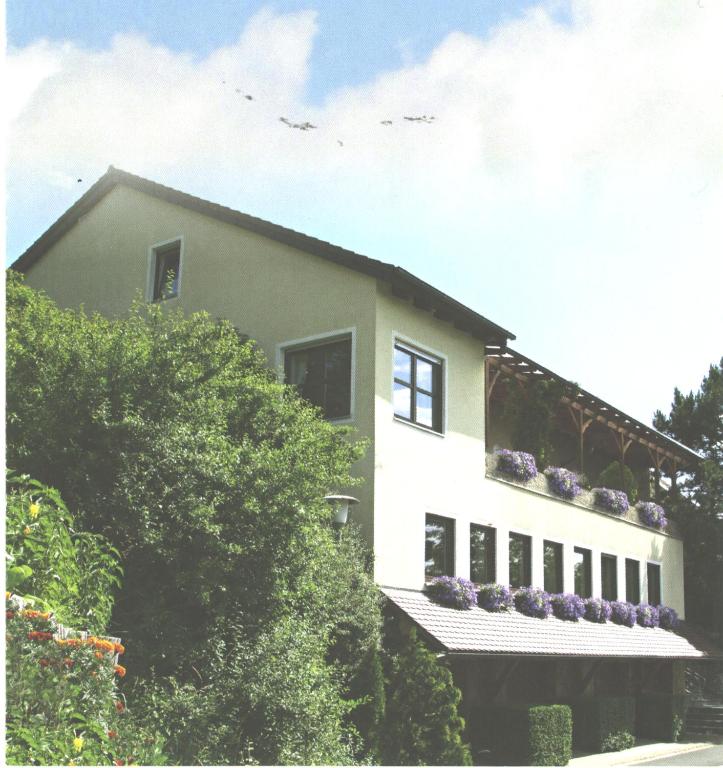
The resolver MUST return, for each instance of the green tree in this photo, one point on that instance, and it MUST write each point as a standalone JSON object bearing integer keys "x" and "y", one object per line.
{"x": 532, "y": 410}
{"x": 617, "y": 475}
{"x": 696, "y": 419}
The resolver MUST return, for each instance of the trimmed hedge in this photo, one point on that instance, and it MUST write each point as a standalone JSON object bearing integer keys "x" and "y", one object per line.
{"x": 604, "y": 724}
{"x": 535, "y": 735}
{"x": 660, "y": 716}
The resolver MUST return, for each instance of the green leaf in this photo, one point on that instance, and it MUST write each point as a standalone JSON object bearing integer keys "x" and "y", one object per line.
{"x": 17, "y": 575}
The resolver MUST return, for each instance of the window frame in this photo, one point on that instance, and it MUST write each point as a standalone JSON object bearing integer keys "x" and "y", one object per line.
{"x": 657, "y": 564}
{"x": 630, "y": 561}
{"x": 560, "y": 575}
{"x": 435, "y": 359}
{"x": 606, "y": 557}
{"x": 490, "y": 566}
{"x": 528, "y": 567}
{"x": 587, "y": 558}
{"x": 153, "y": 252}
{"x": 450, "y": 544}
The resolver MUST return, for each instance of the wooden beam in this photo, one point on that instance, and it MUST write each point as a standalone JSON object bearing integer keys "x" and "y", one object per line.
{"x": 501, "y": 679}
{"x": 588, "y": 678}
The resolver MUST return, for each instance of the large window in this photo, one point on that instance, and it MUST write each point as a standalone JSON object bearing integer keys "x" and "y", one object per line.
{"x": 654, "y": 596}
{"x": 482, "y": 554}
{"x": 166, "y": 271}
{"x": 417, "y": 388}
{"x": 632, "y": 581}
{"x": 520, "y": 560}
{"x": 322, "y": 374}
{"x": 609, "y": 576}
{"x": 438, "y": 547}
{"x": 553, "y": 567}
{"x": 583, "y": 572}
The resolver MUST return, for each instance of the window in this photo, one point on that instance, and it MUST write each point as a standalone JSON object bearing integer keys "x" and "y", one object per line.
{"x": 553, "y": 567}
{"x": 482, "y": 554}
{"x": 322, "y": 374}
{"x": 609, "y": 575}
{"x": 438, "y": 547}
{"x": 632, "y": 581}
{"x": 166, "y": 266}
{"x": 520, "y": 560}
{"x": 417, "y": 388}
{"x": 583, "y": 572}
{"x": 654, "y": 597}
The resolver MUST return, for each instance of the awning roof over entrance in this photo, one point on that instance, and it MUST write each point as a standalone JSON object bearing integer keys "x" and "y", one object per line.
{"x": 479, "y": 632}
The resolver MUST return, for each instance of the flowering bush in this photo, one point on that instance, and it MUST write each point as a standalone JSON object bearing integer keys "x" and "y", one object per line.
{"x": 612, "y": 500}
{"x": 597, "y": 610}
{"x": 533, "y": 602}
{"x": 563, "y": 482}
{"x": 668, "y": 617}
{"x": 623, "y": 613}
{"x": 567, "y": 606}
{"x": 517, "y": 464}
{"x": 453, "y": 591}
{"x": 648, "y": 615}
{"x": 494, "y": 597}
{"x": 652, "y": 514}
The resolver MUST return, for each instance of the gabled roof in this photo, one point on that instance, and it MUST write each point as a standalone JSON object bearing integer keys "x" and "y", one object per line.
{"x": 404, "y": 284}
{"x": 510, "y": 633}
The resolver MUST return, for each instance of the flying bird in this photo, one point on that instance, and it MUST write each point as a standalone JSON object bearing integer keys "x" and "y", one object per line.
{"x": 340, "y": 142}
{"x": 299, "y": 126}
{"x": 79, "y": 180}
{"x": 249, "y": 97}
{"x": 386, "y": 122}
{"x": 420, "y": 118}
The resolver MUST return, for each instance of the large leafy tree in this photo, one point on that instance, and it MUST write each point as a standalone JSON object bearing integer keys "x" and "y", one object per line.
{"x": 696, "y": 419}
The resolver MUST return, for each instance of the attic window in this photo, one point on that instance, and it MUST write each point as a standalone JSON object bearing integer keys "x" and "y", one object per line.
{"x": 166, "y": 270}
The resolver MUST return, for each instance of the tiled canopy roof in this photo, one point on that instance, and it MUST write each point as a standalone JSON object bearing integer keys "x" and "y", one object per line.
{"x": 477, "y": 631}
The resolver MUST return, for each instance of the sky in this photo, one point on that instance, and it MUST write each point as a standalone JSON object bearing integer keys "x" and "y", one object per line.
{"x": 569, "y": 186}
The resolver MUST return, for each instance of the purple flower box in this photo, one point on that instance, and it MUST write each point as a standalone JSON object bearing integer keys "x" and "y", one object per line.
{"x": 648, "y": 615}
{"x": 494, "y": 597}
{"x": 668, "y": 617}
{"x": 453, "y": 591}
{"x": 597, "y": 610}
{"x": 563, "y": 482}
{"x": 612, "y": 500}
{"x": 623, "y": 613}
{"x": 652, "y": 514}
{"x": 567, "y": 606}
{"x": 516, "y": 464}
{"x": 533, "y": 602}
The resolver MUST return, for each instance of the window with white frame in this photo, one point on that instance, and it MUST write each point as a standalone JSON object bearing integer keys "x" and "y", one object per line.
{"x": 417, "y": 387}
{"x": 165, "y": 271}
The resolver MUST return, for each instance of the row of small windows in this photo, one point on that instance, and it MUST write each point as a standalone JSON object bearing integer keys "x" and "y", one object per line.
{"x": 439, "y": 561}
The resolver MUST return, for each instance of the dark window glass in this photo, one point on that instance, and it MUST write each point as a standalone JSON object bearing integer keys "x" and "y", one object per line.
{"x": 553, "y": 567}
{"x": 438, "y": 547}
{"x": 583, "y": 572}
{"x": 482, "y": 554}
{"x": 417, "y": 388}
{"x": 609, "y": 576}
{"x": 167, "y": 267}
{"x": 632, "y": 581}
{"x": 653, "y": 584}
{"x": 323, "y": 376}
{"x": 520, "y": 560}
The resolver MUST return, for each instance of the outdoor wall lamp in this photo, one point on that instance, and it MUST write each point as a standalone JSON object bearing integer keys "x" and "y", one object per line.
{"x": 341, "y": 506}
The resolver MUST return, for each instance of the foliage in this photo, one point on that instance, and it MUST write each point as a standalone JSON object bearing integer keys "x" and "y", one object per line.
{"x": 652, "y": 514}
{"x": 49, "y": 558}
{"x": 611, "y": 500}
{"x": 453, "y": 591}
{"x": 423, "y": 726}
{"x": 620, "y": 477}
{"x": 604, "y": 723}
{"x": 495, "y": 597}
{"x": 668, "y": 617}
{"x": 533, "y": 602}
{"x": 516, "y": 464}
{"x": 647, "y": 615}
{"x": 550, "y": 735}
{"x": 563, "y": 482}
{"x": 568, "y": 606}
{"x": 660, "y": 716}
{"x": 614, "y": 742}
{"x": 597, "y": 609}
{"x": 623, "y": 613}
{"x": 533, "y": 411}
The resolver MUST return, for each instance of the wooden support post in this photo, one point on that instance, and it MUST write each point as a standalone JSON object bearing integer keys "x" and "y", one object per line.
{"x": 588, "y": 678}
{"x": 581, "y": 425}
{"x": 501, "y": 679}
{"x": 657, "y": 458}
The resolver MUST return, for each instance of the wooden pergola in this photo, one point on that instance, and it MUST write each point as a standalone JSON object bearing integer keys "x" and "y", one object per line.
{"x": 585, "y": 409}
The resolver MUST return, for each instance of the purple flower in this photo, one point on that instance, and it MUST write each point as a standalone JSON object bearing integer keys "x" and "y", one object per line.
{"x": 494, "y": 597}
{"x": 648, "y": 615}
{"x": 516, "y": 464}
{"x": 612, "y": 500}
{"x": 453, "y": 591}
{"x": 652, "y": 514}
{"x": 563, "y": 482}
{"x": 533, "y": 602}
{"x": 597, "y": 610}
{"x": 623, "y": 613}
{"x": 567, "y": 606}
{"x": 668, "y": 617}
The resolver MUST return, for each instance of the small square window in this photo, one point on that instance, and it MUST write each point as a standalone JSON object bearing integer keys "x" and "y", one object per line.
{"x": 166, "y": 271}
{"x": 438, "y": 546}
{"x": 609, "y": 576}
{"x": 482, "y": 554}
{"x": 520, "y": 560}
{"x": 417, "y": 395}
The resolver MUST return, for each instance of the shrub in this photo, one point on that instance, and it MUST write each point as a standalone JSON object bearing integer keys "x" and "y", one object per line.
{"x": 494, "y": 597}
{"x": 567, "y": 606}
{"x": 621, "y": 478}
{"x": 647, "y": 615}
{"x": 597, "y": 610}
{"x": 535, "y": 735}
{"x": 667, "y": 617}
{"x": 611, "y": 500}
{"x": 604, "y": 724}
{"x": 617, "y": 741}
{"x": 533, "y": 602}
{"x": 623, "y": 613}
{"x": 453, "y": 591}
{"x": 652, "y": 514}
{"x": 563, "y": 482}
{"x": 532, "y": 413}
{"x": 660, "y": 716}
{"x": 517, "y": 464}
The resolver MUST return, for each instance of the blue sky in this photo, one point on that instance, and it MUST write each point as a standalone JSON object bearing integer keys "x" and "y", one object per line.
{"x": 569, "y": 186}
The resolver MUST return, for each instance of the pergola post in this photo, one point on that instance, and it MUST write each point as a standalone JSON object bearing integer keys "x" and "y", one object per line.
{"x": 581, "y": 425}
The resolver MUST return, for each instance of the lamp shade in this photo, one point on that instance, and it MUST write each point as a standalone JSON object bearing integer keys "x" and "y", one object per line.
{"x": 341, "y": 506}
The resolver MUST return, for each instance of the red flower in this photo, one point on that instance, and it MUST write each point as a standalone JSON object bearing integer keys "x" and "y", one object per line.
{"x": 40, "y": 635}
{"x": 44, "y": 662}
{"x": 112, "y": 734}
{"x": 118, "y": 761}
{"x": 9, "y": 614}
{"x": 68, "y": 662}
{"x": 120, "y": 706}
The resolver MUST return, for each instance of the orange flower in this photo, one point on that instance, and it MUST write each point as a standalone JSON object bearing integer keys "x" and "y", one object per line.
{"x": 120, "y": 706}
{"x": 40, "y": 635}
{"x": 118, "y": 761}
{"x": 98, "y": 655}
{"x": 119, "y": 649}
{"x": 27, "y": 530}
{"x": 119, "y": 670}
{"x": 30, "y": 614}
{"x": 112, "y": 734}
